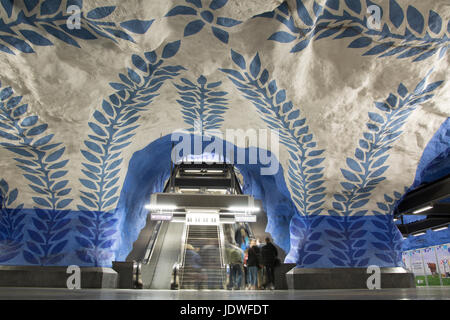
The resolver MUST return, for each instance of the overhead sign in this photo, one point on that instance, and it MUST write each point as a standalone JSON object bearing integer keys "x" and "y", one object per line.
{"x": 202, "y": 218}
{"x": 245, "y": 218}
{"x": 161, "y": 217}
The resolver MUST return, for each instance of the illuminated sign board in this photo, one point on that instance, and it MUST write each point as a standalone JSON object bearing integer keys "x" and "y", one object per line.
{"x": 245, "y": 218}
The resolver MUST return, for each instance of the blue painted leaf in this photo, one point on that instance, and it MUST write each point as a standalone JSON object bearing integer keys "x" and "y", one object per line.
{"x": 28, "y": 256}
{"x": 238, "y": 59}
{"x": 58, "y": 247}
{"x": 353, "y": 165}
{"x": 120, "y": 34}
{"x": 395, "y": 13}
{"x": 349, "y": 175}
{"x": 86, "y": 243}
{"x": 301, "y": 45}
{"x": 220, "y": 34}
{"x": 378, "y": 172}
{"x": 97, "y": 129}
{"x": 171, "y": 49}
{"x": 134, "y": 76}
{"x": 379, "y": 49}
{"x": 354, "y": 5}
{"x": 31, "y": 4}
{"x": 181, "y": 10}
{"x": 35, "y": 38}
{"x": 311, "y": 258}
{"x": 60, "y": 35}
{"x": 359, "y": 204}
{"x": 37, "y": 130}
{"x": 227, "y": 22}
{"x": 337, "y": 262}
{"x": 49, "y": 7}
{"x": 415, "y": 19}
{"x": 217, "y": 4}
{"x": 43, "y": 141}
{"x": 282, "y": 36}
{"x": 42, "y": 202}
{"x": 34, "y": 180}
{"x": 55, "y": 155}
{"x": 434, "y": 22}
{"x": 360, "y": 42}
{"x": 17, "y": 43}
{"x": 5, "y": 93}
{"x": 36, "y": 237}
{"x": 88, "y": 184}
{"x": 63, "y": 203}
{"x": 101, "y": 12}
{"x": 193, "y": 27}
{"x": 303, "y": 13}
{"x": 255, "y": 66}
{"x": 107, "y": 244}
{"x": 140, "y": 64}
{"x": 376, "y": 117}
{"x": 137, "y": 26}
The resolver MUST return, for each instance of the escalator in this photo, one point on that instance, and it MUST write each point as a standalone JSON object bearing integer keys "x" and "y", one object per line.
{"x": 203, "y": 266}
{"x": 176, "y": 254}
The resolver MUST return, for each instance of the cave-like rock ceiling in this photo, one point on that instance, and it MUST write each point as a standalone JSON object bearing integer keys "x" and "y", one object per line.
{"x": 356, "y": 88}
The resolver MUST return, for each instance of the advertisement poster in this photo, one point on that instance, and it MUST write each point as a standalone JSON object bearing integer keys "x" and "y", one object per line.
{"x": 429, "y": 265}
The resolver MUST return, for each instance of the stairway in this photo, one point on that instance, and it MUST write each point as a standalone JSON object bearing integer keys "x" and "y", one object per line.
{"x": 202, "y": 268}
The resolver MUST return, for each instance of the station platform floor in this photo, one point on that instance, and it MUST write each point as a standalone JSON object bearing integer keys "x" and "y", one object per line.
{"x": 421, "y": 293}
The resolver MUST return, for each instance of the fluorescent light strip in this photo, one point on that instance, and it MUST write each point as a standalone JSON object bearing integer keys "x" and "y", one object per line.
{"x": 419, "y": 234}
{"x": 423, "y": 209}
{"x": 439, "y": 229}
{"x": 190, "y": 189}
{"x": 251, "y": 209}
{"x": 160, "y": 207}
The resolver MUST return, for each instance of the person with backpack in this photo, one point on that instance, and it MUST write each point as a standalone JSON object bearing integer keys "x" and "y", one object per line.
{"x": 269, "y": 257}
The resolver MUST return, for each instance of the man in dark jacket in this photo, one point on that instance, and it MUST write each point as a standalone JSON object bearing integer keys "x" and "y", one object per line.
{"x": 269, "y": 255}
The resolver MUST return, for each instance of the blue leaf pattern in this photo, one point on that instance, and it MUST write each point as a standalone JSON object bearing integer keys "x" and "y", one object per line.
{"x": 202, "y": 106}
{"x": 112, "y": 129}
{"x": 50, "y": 21}
{"x": 381, "y": 43}
{"x": 206, "y": 18}
{"x": 41, "y": 164}
{"x": 12, "y": 222}
{"x": 365, "y": 172}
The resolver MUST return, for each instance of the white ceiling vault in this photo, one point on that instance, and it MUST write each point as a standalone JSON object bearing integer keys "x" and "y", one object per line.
{"x": 355, "y": 105}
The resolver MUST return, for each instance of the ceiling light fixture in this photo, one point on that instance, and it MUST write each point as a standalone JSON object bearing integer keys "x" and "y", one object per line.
{"x": 423, "y": 209}
{"x": 440, "y": 228}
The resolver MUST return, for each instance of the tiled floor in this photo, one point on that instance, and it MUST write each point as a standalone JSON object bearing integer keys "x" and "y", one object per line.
{"x": 116, "y": 294}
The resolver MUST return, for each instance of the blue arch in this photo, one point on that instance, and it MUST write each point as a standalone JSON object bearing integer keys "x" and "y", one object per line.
{"x": 149, "y": 169}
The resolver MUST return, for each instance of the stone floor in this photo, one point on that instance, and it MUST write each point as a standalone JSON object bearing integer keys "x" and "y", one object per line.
{"x": 435, "y": 293}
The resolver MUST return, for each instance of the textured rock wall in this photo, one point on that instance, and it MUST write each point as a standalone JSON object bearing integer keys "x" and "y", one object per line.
{"x": 355, "y": 107}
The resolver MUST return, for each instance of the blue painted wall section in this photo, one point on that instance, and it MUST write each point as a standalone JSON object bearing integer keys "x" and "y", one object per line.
{"x": 341, "y": 239}
{"x": 149, "y": 169}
